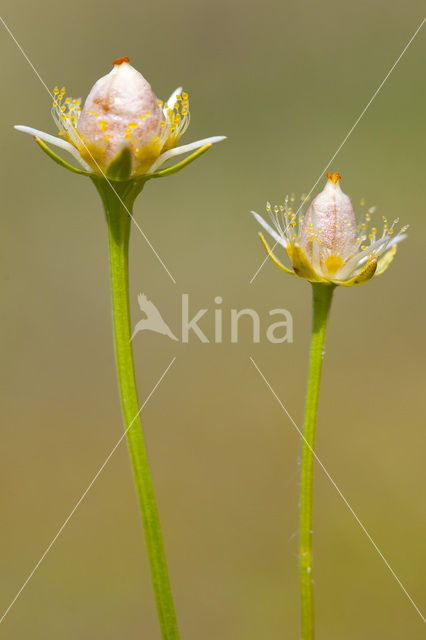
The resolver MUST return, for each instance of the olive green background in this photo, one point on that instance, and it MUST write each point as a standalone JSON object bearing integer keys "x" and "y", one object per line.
{"x": 284, "y": 81}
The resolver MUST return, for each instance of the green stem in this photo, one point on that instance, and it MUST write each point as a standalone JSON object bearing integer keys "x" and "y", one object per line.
{"x": 119, "y": 222}
{"x": 322, "y": 296}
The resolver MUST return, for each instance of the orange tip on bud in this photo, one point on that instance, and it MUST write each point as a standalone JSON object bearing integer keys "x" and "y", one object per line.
{"x": 334, "y": 177}
{"x": 118, "y": 61}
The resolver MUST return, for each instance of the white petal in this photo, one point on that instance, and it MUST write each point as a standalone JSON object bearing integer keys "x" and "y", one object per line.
{"x": 57, "y": 142}
{"x": 171, "y": 101}
{"x": 276, "y": 236}
{"x": 184, "y": 149}
{"x": 375, "y": 249}
{"x": 398, "y": 238}
{"x": 352, "y": 265}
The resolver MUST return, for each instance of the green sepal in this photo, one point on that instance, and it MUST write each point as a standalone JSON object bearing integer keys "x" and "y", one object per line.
{"x": 135, "y": 184}
{"x": 301, "y": 264}
{"x": 48, "y": 151}
{"x": 180, "y": 165}
{"x": 385, "y": 260}
{"x": 273, "y": 256}
{"x": 363, "y": 276}
{"x": 120, "y": 168}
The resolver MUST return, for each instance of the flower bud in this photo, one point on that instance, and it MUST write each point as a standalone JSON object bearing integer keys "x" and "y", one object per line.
{"x": 330, "y": 223}
{"x": 121, "y": 110}
{"x": 123, "y": 131}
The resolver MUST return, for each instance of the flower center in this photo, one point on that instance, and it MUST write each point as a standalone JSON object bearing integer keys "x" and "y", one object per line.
{"x": 333, "y": 263}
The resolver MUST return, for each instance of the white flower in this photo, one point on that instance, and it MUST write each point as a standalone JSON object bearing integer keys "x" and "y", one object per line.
{"x": 327, "y": 245}
{"x": 121, "y": 111}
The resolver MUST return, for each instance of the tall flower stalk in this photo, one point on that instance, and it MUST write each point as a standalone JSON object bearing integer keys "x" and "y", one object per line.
{"x": 119, "y": 224}
{"x": 321, "y": 298}
{"x": 327, "y": 248}
{"x": 121, "y": 138}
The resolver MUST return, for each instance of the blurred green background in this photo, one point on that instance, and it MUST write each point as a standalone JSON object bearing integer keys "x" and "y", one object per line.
{"x": 285, "y": 81}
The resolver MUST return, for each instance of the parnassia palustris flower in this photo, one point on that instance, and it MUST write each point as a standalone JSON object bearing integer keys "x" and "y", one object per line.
{"x": 326, "y": 244}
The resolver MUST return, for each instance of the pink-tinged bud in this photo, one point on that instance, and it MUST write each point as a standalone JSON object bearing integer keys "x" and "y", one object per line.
{"x": 330, "y": 223}
{"x": 123, "y": 131}
{"x": 121, "y": 109}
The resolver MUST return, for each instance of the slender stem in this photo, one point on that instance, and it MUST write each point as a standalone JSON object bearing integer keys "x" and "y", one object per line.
{"x": 119, "y": 221}
{"x": 322, "y": 296}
